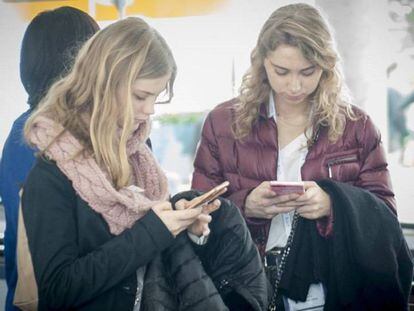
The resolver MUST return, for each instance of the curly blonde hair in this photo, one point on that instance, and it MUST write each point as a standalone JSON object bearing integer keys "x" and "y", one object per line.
{"x": 302, "y": 26}
{"x": 85, "y": 101}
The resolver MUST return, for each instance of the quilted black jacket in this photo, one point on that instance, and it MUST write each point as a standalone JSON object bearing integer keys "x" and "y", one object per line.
{"x": 224, "y": 274}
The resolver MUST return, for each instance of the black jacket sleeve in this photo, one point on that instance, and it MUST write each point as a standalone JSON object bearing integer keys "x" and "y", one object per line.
{"x": 65, "y": 278}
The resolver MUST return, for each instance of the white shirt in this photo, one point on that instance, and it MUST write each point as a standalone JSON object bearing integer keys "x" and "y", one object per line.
{"x": 290, "y": 161}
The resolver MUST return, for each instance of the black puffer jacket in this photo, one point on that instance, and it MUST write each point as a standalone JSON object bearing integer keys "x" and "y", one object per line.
{"x": 225, "y": 273}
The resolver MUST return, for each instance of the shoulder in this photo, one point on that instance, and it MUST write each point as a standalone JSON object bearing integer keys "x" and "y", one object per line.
{"x": 16, "y": 131}
{"x": 17, "y": 156}
{"x": 21, "y": 120}
{"x": 45, "y": 174}
{"x": 219, "y": 119}
{"x": 363, "y": 128}
{"x": 47, "y": 191}
{"x": 223, "y": 111}
{"x": 15, "y": 140}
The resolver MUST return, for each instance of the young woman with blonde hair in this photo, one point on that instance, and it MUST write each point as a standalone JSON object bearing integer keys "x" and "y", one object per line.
{"x": 293, "y": 121}
{"x": 101, "y": 231}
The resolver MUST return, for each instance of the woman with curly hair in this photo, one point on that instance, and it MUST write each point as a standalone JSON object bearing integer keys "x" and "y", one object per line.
{"x": 293, "y": 121}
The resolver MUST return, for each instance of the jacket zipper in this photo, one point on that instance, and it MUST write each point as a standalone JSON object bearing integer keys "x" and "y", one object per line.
{"x": 346, "y": 159}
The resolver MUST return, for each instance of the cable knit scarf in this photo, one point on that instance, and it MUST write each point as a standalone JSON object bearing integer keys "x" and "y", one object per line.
{"x": 120, "y": 208}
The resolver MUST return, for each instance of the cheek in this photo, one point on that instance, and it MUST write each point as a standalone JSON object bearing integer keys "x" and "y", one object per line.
{"x": 311, "y": 84}
{"x": 143, "y": 108}
{"x": 276, "y": 82}
{"x": 136, "y": 106}
{"x": 139, "y": 112}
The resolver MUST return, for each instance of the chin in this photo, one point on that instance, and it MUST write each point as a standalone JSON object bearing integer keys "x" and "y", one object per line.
{"x": 298, "y": 100}
{"x": 294, "y": 102}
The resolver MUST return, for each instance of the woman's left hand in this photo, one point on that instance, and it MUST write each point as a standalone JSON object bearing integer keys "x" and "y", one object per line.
{"x": 200, "y": 226}
{"x": 314, "y": 203}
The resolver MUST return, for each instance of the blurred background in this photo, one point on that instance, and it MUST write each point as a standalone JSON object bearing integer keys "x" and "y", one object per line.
{"x": 212, "y": 40}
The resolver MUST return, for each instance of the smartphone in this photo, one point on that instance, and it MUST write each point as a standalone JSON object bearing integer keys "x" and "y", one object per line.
{"x": 287, "y": 187}
{"x": 209, "y": 196}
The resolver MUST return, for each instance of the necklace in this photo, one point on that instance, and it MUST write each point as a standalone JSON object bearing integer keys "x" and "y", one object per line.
{"x": 303, "y": 116}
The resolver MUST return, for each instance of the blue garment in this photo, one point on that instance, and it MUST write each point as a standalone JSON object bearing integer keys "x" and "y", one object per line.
{"x": 15, "y": 164}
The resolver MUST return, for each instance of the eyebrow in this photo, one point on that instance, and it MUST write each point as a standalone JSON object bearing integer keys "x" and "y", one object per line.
{"x": 283, "y": 68}
{"x": 146, "y": 92}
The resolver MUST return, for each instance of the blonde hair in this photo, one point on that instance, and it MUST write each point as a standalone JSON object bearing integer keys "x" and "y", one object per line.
{"x": 302, "y": 26}
{"x": 85, "y": 101}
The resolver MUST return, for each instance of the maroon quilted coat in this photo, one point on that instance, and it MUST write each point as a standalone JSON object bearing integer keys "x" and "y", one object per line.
{"x": 356, "y": 158}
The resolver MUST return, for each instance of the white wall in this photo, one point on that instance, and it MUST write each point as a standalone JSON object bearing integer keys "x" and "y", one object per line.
{"x": 12, "y": 94}
{"x": 204, "y": 46}
{"x": 361, "y": 31}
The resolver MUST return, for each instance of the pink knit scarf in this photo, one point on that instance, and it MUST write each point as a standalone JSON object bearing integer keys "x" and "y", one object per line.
{"x": 120, "y": 208}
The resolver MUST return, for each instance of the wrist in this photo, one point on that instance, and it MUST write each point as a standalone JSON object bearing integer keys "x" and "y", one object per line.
{"x": 247, "y": 210}
{"x": 199, "y": 240}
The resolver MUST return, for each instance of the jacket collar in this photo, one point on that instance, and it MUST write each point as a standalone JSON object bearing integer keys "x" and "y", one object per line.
{"x": 263, "y": 110}
{"x": 267, "y": 109}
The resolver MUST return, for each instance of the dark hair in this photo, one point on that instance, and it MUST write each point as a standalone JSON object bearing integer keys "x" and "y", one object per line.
{"x": 49, "y": 46}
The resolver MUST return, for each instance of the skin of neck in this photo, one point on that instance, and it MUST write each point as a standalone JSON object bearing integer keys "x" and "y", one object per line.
{"x": 289, "y": 111}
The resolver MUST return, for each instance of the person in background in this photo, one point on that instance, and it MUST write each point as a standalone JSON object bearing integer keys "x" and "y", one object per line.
{"x": 97, "y": 230}
{"x": 49, "y": 46}
{"x": 293, "y": 121}
{"x": 406, "y": 113}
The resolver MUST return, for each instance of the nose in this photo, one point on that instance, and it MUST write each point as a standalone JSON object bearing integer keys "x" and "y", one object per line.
{"x": 295, "y": 85}
{"x": 148, "y": 108}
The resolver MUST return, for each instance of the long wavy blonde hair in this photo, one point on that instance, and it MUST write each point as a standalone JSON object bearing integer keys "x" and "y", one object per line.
{"x": 302, "y": 26}
{"x": 85, "y": 101}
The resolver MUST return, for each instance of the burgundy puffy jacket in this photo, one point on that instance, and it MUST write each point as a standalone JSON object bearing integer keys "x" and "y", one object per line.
{"x": 357, "y": 158}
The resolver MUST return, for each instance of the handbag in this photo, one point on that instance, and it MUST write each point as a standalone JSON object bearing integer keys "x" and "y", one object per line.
{"x": 26, "y": 295}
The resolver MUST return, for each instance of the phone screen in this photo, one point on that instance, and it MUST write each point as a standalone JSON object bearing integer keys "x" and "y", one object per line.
{"x": 284, "y": 187}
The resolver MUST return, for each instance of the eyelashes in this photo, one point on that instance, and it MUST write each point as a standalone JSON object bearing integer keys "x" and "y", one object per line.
{"x": 139, "y": 97}
{"x": 306, "y": 73}
{"x": 281, "y": 73}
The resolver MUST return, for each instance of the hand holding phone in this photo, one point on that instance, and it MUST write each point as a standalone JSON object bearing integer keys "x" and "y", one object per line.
{"x": 209, "y": 196}
{"x": 287, "y": 187}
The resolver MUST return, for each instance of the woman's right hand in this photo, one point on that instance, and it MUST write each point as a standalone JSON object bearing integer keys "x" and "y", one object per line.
{"x": 176, "y": 220}
{"x": 262, "y": 202}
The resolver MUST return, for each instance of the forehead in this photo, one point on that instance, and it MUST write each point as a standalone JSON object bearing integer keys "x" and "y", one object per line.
{"x": 289, "y": 57}
{"x": 154, "y": 85}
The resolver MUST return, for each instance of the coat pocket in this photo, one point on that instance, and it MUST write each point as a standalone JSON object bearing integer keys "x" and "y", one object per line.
{"x": 343, "y": 167}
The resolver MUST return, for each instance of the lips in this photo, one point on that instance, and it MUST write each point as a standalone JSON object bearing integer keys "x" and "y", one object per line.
{"x": 140, "y": 120}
